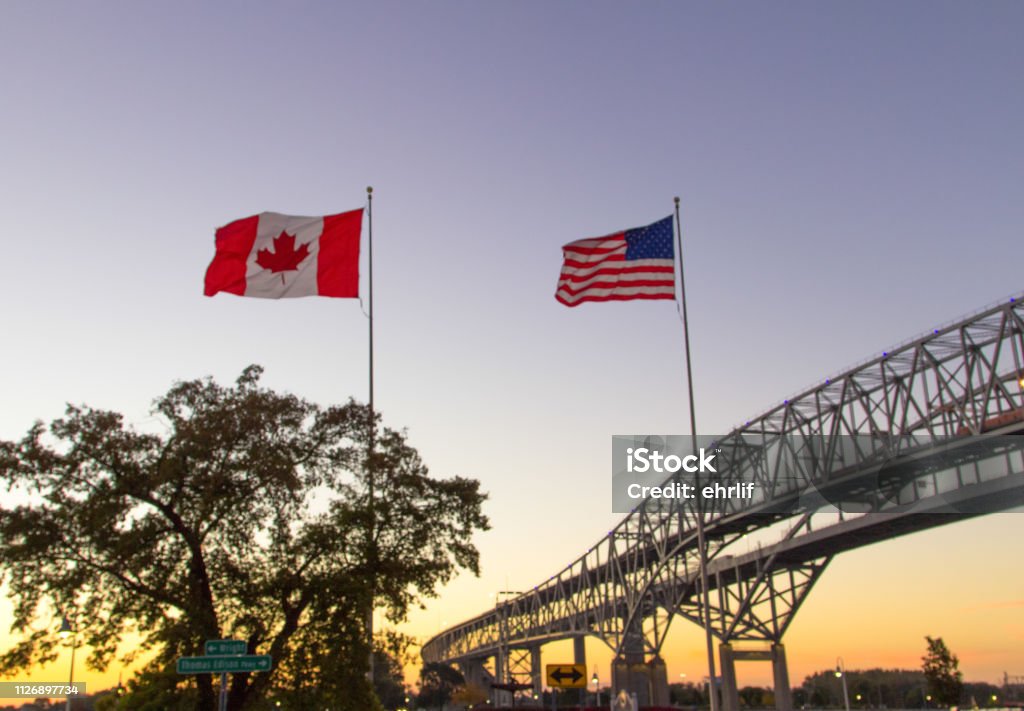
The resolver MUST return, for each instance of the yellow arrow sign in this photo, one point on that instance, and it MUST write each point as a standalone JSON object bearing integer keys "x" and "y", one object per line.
{"x": 567, "y": 676}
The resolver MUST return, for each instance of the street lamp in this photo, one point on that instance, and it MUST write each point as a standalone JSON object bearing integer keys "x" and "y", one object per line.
{"x": 597, "y": 691}
{"x": 67, "y": 630}
{"x": 841, "y": 673}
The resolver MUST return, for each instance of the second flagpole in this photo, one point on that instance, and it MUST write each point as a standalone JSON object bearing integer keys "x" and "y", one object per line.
{"x": 371, "y": 533}
{"x": 701, "y": 541}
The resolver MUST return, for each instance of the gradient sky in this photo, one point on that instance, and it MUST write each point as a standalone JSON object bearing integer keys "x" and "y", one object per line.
{"x": 851, "y": 175}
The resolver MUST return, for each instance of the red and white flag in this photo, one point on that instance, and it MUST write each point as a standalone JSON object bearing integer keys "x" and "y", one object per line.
{"x": 632, "y": 264}
{"x": 275, "y": 256}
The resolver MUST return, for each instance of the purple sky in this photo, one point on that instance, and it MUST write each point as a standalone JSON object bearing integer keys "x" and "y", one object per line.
{"x": 850, "y": 174}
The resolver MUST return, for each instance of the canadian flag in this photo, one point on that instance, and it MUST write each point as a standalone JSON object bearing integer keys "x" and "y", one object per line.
{"x": 274, "y": 256}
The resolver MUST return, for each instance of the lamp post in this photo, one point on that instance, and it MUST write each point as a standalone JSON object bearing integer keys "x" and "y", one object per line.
{"x": 65, "y": 630}
{"x": 841, "y": 673}
{"x": 597, "y": 691}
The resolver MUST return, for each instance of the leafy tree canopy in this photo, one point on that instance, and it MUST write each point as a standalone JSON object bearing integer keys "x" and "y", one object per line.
{"x": 942, "y": 670}
{"x": 438, "y": 683}
{"x": 253, "y": 515}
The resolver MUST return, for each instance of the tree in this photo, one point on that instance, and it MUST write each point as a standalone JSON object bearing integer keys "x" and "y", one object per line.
{"x": 895, "y": 688}
{"x": 438, "y": 682}
{"x": 390, "y": 655}
{"x": 755, "y": 697}
{"x": 941, "y": 669}
{"x": 686, "y": 694}
{"x": 253, "y": 515}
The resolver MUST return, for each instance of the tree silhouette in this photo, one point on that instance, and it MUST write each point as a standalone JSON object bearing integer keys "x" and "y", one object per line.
{"x": 248, "y": 515}
{"x": 941, "y": 669}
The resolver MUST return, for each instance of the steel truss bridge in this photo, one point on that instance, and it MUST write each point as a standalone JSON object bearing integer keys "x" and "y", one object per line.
{"x": 909, "y": 440}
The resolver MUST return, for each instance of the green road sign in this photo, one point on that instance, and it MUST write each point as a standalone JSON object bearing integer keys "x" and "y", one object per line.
{"x": 224, "y": 647}
{"x": 219, "y": 665}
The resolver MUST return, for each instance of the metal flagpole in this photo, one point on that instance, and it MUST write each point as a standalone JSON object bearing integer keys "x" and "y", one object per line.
{"x": 369, "y": 218}
{"x": 372, "y": 552}
{"x": 701, "y": 543}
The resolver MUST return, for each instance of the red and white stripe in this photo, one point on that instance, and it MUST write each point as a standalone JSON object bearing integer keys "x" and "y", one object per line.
{"x": 597, "y": 270}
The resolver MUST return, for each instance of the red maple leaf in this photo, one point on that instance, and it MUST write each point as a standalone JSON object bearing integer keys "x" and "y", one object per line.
{"x": 285, "y": 258}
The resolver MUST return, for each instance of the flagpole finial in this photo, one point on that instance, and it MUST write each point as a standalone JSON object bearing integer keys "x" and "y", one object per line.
{"x": 676, "y": 198}
{"x": 369, "y": 190}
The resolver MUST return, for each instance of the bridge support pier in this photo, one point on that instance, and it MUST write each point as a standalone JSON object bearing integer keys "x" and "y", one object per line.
{"x": 730, "y": 691}
{"x": 659, "y": 681}
{"x": 633, "y": 677}
{"x": 628, "y": 669}
{"x": 501, "y": 676}
{"x": 475, "y": 673}
{"x": 536, "y": 678}
{"x": 522, "y": 666}
{"x": 579, "y": 656}
{"x": 780, "y": 672}
{"x": 648, "y": 680}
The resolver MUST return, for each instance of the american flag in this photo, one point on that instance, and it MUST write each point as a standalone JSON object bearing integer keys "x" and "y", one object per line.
{"x": 633, "y": 264}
